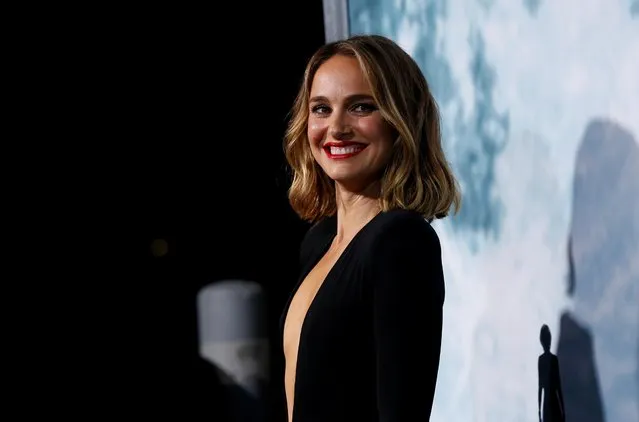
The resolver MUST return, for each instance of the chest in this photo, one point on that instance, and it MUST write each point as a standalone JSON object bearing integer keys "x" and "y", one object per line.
{"x": 330, "y": 304}
{"x": 303, "y": 298}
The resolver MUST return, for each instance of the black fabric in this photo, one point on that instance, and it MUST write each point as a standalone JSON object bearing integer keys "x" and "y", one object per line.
{"x": 370, "y": 343}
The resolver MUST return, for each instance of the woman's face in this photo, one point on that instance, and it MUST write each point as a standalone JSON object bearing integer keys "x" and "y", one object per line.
{"x": 348, "y": 136}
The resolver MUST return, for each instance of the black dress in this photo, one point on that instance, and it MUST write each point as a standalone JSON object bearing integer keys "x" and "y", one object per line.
{"x": 370, "y": 342}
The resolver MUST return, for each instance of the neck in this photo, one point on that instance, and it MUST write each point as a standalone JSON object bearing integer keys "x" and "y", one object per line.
{"x": 355, "y": 210}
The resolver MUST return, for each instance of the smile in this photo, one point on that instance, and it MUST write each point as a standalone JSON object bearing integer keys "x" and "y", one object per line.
{"x": 342, "y": 152}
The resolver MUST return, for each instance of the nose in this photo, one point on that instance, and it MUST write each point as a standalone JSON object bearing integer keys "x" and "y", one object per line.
{"x": 340, "y": 129}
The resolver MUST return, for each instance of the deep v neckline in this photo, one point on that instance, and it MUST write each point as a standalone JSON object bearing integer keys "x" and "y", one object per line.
{"x": 317, "y": 256}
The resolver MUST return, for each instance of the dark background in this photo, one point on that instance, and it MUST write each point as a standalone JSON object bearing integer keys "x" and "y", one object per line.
{"x": 175, "y": 117}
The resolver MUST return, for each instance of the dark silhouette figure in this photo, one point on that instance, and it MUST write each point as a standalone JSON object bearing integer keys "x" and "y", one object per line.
{"x": 549, "y": 397}
{"x": 578, "y": 370}
{"x": 601, "y": 277}
{"x": 577, "y": 357}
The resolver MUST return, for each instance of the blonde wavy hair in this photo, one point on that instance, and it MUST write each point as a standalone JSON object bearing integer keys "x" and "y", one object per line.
{"x": 417, "y": 177}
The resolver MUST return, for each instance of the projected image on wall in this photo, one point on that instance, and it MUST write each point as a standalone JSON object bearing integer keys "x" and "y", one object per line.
{"x": 539, "y": 102}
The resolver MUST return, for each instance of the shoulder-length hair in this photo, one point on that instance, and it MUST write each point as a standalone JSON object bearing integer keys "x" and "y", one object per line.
{"x": 417, "y": 177}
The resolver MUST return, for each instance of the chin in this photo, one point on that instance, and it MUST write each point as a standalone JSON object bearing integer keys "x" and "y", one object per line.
{"x": 352, "y": 182}
{"x": 343, "y": 175}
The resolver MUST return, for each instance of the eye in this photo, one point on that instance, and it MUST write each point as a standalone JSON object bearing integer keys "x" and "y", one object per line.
{"x": 320, "y": 109}
{"x": 364, "y": 108}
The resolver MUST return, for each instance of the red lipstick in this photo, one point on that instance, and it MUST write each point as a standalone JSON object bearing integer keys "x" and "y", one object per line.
{"x": 343, "y": 150}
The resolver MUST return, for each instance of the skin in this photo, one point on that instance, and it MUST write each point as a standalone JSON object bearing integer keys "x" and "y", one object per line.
{"x": 341, "y": 109}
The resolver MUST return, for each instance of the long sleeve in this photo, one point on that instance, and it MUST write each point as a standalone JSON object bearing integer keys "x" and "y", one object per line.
{"x": 407, "y": 307}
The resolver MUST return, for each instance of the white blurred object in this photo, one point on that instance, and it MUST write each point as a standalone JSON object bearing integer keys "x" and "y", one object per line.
{"x": 233, "y": 336}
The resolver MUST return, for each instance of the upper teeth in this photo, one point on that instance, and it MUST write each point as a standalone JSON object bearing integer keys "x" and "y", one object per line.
{"x": 345, "y": 150}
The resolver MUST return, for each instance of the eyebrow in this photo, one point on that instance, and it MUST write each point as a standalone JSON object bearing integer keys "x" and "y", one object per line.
{"x": 349, "y": 99}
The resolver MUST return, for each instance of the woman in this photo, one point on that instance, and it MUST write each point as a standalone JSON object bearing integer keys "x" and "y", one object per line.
{"x": 368, "y": 169}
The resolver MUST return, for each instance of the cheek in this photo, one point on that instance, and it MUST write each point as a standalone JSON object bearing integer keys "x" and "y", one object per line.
{"x": 377, "y": 130}
{"x": 316, "y": 131}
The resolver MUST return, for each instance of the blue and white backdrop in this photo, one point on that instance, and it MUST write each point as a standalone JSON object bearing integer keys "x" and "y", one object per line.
{"x": 540, "y": 108}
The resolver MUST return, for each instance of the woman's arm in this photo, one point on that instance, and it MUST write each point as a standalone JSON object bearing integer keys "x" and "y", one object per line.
{"x": 408, "y": 300}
